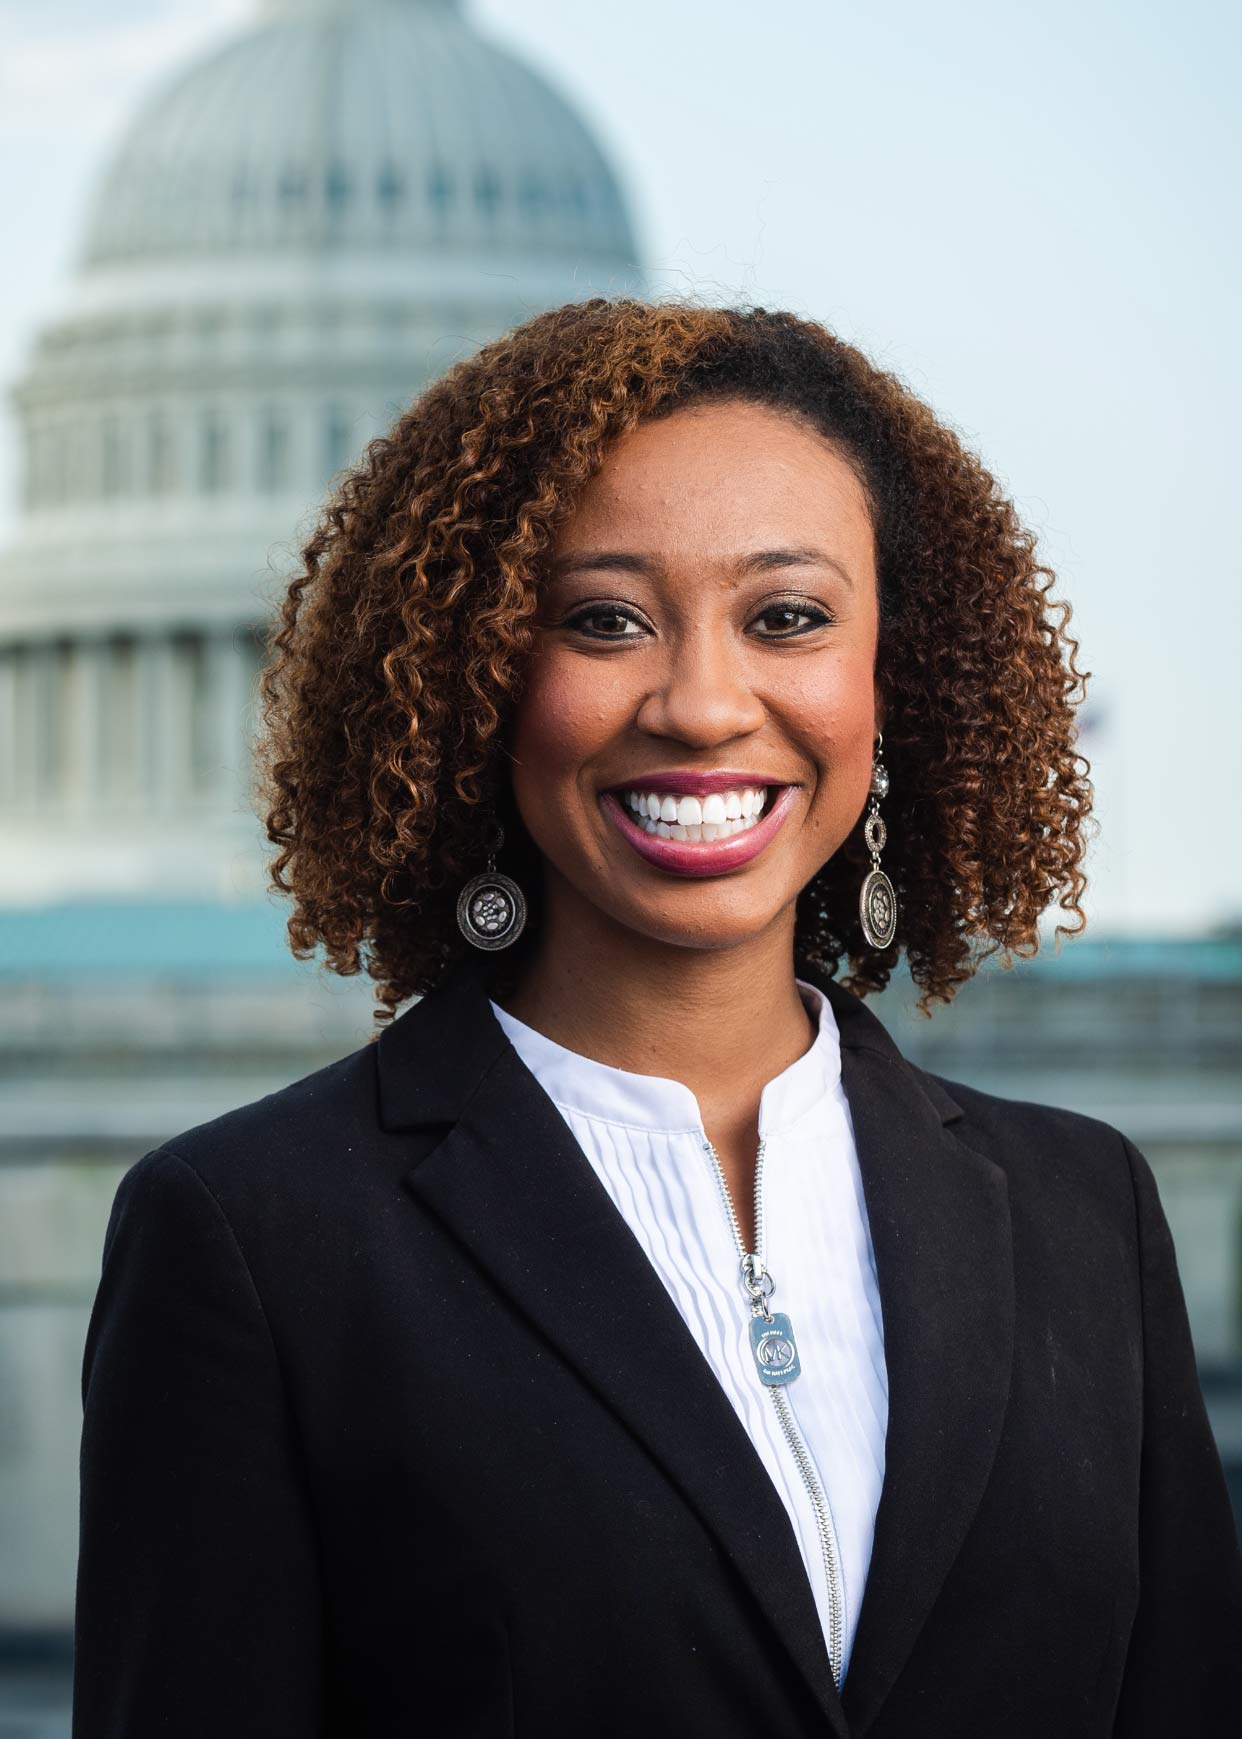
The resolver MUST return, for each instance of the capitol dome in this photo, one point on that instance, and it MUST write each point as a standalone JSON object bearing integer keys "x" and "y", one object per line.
{"x": 293, "y": 237}
{"x": 366, "y": 125}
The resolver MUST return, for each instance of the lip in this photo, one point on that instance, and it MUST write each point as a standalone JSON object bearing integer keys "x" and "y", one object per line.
{"x": 691, "y": 784}
{"x": 705, "y": 857}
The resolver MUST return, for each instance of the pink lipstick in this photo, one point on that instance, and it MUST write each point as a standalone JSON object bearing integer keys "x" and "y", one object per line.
{"x": 699, "y": 857}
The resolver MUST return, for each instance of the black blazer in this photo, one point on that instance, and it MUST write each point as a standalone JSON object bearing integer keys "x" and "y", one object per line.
{"x": 392, "y": 1430}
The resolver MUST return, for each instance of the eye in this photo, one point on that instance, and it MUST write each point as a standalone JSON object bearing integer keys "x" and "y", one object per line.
{"x": 606, "y": 622}
{"x": 787, "y": 619}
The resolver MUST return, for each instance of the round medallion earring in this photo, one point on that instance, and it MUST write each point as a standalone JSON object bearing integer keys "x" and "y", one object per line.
{"x": 491, "y": 908}
{"x": 877, "y": 902}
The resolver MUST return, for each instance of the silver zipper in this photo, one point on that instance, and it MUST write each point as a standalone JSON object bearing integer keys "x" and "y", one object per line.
{"x": 754, "y": 1270}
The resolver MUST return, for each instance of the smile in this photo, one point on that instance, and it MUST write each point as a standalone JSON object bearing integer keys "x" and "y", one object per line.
{"x": 698, "y": 824}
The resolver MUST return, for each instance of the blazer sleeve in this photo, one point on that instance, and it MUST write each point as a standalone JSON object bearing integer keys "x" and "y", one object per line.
{"x": 1183, "y": 1670}
{"x": 198, "y": 1594}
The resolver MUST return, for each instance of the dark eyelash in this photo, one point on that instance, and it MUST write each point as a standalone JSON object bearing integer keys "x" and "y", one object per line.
{"x": 819, "y": 617}
{"x": 578, "y": 618}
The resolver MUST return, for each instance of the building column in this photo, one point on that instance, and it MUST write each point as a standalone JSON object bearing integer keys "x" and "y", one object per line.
{"x": 172, "y": 738}
{"x": 227, "y": 687}
{"x": 8, "y": 729}
{"x": 35, "y": 726}
{"x": 86, "y": 728}
{"x": 147, "y": 761}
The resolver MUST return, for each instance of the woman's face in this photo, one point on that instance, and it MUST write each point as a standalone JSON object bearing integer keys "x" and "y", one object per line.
{"x": 695, "y": 734}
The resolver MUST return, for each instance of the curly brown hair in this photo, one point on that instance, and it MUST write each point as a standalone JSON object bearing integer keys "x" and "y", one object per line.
{"x": 397, "y": 655}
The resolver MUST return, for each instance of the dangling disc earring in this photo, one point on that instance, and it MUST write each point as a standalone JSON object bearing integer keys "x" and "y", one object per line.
{"x": 877, "y": 902}
{"x": 491, "y": 908}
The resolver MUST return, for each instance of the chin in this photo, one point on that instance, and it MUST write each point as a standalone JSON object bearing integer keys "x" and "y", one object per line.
{"x": 699, "y": 920}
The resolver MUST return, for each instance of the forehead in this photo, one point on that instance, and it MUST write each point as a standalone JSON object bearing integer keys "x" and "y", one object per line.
{"x": 727, "y": 471}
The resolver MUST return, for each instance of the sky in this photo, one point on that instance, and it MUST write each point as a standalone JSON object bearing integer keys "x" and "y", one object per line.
{"x": 1021, "y": 209}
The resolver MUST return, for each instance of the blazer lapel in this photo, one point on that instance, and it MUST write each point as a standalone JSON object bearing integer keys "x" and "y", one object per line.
{"x": 510, "y": 1182}
{"x": 939, "y": 1215}
{"x": 506, "y": 1177}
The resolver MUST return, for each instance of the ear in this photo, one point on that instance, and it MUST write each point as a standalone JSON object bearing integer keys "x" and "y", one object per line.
{"x": 881, "y": 710}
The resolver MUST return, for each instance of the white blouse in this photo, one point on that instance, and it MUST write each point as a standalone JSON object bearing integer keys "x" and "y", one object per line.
{"x": 645, "y": 1138}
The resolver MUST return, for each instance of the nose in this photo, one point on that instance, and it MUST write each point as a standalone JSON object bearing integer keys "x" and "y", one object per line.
{"x": 704, "y": 697}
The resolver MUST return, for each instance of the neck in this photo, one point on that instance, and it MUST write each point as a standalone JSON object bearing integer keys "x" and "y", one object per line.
{"x": 722, "y": 1021}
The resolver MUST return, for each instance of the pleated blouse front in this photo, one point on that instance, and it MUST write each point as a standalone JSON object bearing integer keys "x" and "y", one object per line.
{"x": 646, "y": 1141}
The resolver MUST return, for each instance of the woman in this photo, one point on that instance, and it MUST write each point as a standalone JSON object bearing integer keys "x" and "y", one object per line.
{"x": 631, "y": 1339}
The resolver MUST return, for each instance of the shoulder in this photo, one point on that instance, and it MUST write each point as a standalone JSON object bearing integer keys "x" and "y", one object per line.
{"x": 298, "y": 1118}
{"x": 1062, "y": 1167}
{"x": 1019, "y": 1121}
{"x": 1045, "y": 1152}
{"x": 336, "y": 1143}
{"x": 291, "y": 1155}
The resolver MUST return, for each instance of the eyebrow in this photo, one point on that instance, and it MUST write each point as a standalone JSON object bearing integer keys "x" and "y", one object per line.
{"x": 757, "y": 562}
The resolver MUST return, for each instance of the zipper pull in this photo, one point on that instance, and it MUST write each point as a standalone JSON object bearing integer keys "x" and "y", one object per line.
{"x": 771, "y": 1333}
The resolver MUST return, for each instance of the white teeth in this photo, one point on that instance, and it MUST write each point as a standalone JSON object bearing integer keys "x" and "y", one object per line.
{"x": 709, "y": 830}
{"x": 715, "y": 816}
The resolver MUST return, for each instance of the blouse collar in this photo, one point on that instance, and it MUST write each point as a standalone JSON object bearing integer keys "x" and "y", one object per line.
{"x": 651, "y": 1102}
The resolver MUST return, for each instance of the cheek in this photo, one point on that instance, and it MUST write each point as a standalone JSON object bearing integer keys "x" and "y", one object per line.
{"x": 567, "y": 713}
{"x": 543, "y": 721}
{"x": 831, "y": 712}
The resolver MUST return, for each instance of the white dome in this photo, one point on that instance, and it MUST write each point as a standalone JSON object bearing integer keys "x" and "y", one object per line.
{"x": 347, "y": 125}
{"x": 293, "y": 238}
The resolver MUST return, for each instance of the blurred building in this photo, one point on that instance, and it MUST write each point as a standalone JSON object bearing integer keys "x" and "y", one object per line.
{"x": 296, "y": 234}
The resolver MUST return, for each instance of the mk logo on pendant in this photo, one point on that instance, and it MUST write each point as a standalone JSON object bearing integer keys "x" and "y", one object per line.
{"x": 775, "y": 1349}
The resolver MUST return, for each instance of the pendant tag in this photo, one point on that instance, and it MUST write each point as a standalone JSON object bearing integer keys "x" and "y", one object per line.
{"x": 775, "y": 1349}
